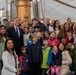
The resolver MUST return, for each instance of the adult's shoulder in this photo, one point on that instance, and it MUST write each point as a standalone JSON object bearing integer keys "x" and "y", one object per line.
{"x": 5, "y": 53}
{"x": 10, "y": 28}
{"x": 21, "y": 30}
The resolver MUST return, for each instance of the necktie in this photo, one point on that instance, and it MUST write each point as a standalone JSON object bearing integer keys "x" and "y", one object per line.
{"x": 17, "y": 32}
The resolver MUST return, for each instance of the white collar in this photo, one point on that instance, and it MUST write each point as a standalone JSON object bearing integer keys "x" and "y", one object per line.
{"x": 16, "y": 27}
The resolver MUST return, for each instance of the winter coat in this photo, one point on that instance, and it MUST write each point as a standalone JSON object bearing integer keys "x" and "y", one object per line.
{"x": 69, "y": 40}
{"x": 9, "y": 64}
{"x": 23, "y": 59}
{"x": 46, "y": 53}
{"x": 54, "y": 40}
{"x": 66, "y": 61}
{"x": 56, "y": 59}
{"x": 34, "y": 53}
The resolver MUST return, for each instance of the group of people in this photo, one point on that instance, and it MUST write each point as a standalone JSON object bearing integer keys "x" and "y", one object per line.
{"x": 41, "y": 48}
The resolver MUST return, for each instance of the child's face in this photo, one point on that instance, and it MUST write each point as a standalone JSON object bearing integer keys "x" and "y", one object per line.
{"x": 30, "y": 29}
{"x": 52, "y": 35}
{"x": 36, "y": 29}
{"x": 46, "y": 35}
{"x": 24, "y": 51}
{"x": 69, "y": 35}
{"x": 39, "y": 35}
{"x": 61, "y": 47}
{"x": 26, "y": 30}
{"x": 69, "y": 45}
{"x": 35, "y": 39}
{"x": 55, "y": 49}
{"x": 45, "y": 42}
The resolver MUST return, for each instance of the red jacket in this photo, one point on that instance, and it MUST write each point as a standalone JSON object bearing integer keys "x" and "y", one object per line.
{"x": 69, "y": 40}
{"x": 54, "y": 41}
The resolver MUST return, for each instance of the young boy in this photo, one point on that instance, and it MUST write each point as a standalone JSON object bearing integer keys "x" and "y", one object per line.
{"x": 47, "y": 51}
{"x": 35, "y": 56}
{"x": 39, "y": 37}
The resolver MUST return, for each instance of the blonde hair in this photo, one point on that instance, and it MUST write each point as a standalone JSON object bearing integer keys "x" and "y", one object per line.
{"x": 52, "y": 32}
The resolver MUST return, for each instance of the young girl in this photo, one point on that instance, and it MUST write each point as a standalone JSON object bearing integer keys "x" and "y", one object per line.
{"x": 56, "y": 61}
{"x": 66, "y": 60}
{"x": 47, "y": 57}
{"x": 53, "y": 40}
{"x": 69, "y": 38}
{"x": 46, "y": 34}
{"x": 30, "y": 30}
{"x": 26, "y": 36}
{"x": 10, "y": 59}
{"x": 23, "y": 59}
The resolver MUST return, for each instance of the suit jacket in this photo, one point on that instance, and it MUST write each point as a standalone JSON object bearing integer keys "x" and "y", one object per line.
{"x": 9, "y": 64}
{"x": 18, "y": 41}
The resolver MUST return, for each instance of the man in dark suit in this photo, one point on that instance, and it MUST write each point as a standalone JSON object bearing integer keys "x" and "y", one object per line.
{"x": 16, "y": 34}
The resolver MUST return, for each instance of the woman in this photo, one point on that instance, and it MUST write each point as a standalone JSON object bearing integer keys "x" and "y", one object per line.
{"x": 66, "y": 60}
{"x": 57, "y": 27}
{"x": 10, "y": 59}
{"x": 67, "y": 29}
{"x": 2, "y": 42}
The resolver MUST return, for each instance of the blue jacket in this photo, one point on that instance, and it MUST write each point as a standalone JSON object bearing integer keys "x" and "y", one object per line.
{"x": 50, "y": 57}
{"x": 56, "y": 59}
{"x": 29, "y": 43}
{"x": 34, "y": 53}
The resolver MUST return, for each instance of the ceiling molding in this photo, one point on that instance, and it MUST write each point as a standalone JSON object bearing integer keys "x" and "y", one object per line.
{"x": 64, "y": 3}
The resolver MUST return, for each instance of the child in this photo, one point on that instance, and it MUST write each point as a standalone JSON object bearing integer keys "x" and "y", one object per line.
{"x": 39, "y": 37}
{"x": 72, "y": 50}
{"x": 66, "y": 60}
{"x": 30, "y": 30}
{"x": 23, "y": 59}
{"x": 36, "y": 29}
{"x": 69, "y": 38}
{"x": 53, "y": 40}
{"x": 47, "y": 51}
{"x": 26, "y": 36}
{"x": 56, "y": 61}
{"x": 35, "y": 56}
{"x": 46, "y": 34}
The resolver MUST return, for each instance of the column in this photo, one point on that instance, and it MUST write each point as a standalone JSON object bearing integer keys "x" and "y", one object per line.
{"x": 24, "y": 12}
